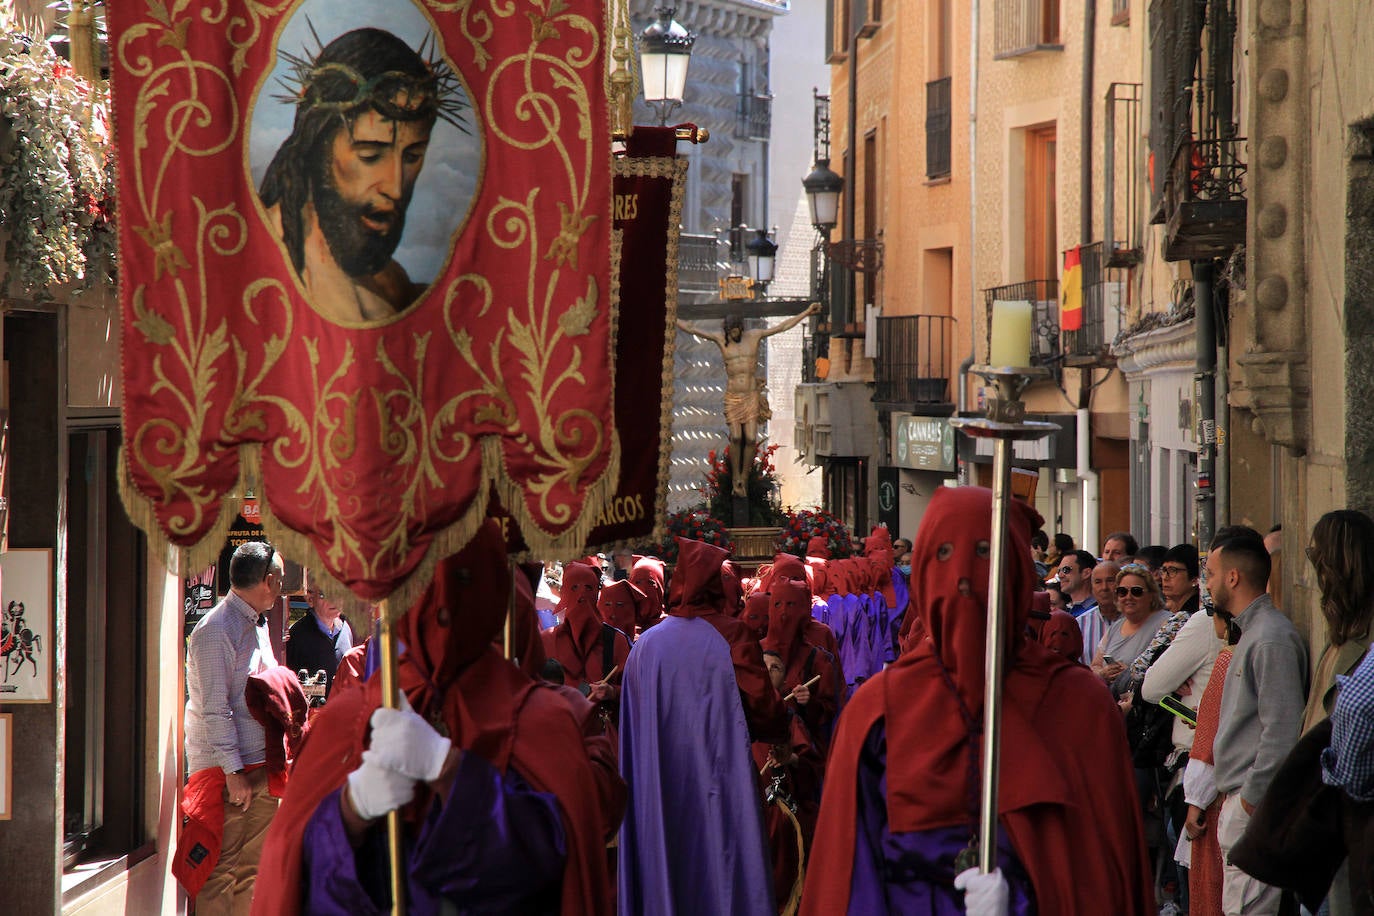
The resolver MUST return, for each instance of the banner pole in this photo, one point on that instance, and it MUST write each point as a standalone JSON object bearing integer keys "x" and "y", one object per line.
{"x": 391, "y": 699}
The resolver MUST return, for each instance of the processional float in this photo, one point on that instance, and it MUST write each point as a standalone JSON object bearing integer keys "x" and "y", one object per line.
{"x": 372, "y": 262}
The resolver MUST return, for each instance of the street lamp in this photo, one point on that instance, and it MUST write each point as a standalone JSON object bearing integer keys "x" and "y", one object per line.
{"x": 665, "y": 49}
{"x": 762, "y": 254}
{"x": 823, "y": 189}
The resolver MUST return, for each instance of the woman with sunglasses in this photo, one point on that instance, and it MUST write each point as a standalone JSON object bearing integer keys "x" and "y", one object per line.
{"x": 1142, "y": 612}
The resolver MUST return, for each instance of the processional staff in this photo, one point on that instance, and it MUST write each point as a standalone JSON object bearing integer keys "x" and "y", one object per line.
{"x": 1005, "y": 423}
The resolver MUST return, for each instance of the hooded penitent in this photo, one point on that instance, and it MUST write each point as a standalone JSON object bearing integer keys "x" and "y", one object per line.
{"x": 789, "y": 618}
{"x": 452, "y": 673}
{"x": 755, "y": 614}
{"x": 1061, "y": 801}
{"x": 587, "y": 650}
{"x": 1062, "y": 635}
{"x": 789, "y": 607}
{"x": 878, "y": 551}
{"x": 647, "y": 576}
{"x": 619, "y": 605}
{"x": 697, "y": 589}
{"x": 818, "y": 546}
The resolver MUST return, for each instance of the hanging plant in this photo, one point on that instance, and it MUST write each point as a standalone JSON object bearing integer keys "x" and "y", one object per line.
{"x": 56, "y": 172}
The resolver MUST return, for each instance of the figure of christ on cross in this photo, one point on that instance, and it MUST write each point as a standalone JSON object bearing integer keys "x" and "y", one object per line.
{"x": 746, "y": 405}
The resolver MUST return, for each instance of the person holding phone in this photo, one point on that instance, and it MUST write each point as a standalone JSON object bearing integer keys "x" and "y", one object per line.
{"x": 1142, "y": 612}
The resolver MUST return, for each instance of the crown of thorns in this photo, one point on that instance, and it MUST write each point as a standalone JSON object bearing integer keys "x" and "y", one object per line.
{"x": 400, "y": 96}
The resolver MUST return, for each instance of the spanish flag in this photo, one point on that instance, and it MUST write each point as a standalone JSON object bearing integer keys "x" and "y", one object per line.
{"x": 1071, "y": 303}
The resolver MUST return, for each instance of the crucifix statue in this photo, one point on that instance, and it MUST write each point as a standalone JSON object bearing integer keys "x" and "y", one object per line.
{"x": 746, "y": 404}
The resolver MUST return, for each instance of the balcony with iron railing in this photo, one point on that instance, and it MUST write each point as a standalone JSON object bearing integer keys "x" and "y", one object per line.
{"x": 1103, "y": 297}
{"x": 938, "y": 121}
{"x": 1204, "y": 200}
{"x": 1043, "y": 295}
{"x": 697, "y": 270}
{"x": 852, "y": 268}
{"x": 1024, "y": 27}
{"x": 913, "y": 369}
{"x": 753, "y": 116}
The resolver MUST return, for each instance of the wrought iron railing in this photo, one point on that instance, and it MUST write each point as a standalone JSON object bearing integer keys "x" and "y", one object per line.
{"x": 863, "y": 256}
{"x": 1024, "y": 26}
{"x": 753, "y": 116}
{"x": 1103, "y": 291}
{"x": 1123, "y": 192}
{"x": 696, "y": 257}
{"x": 938, "y": 120}
{"x": 1043, "y": 295}
{"x": 1209, "y": 170}
{"x": 914, "y": 360}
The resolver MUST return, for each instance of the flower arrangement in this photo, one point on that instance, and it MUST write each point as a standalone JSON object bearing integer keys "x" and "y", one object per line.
{"x": 799, "y": 526}
{"x": 762, "y": 487}
{"x": 695, "y": 524}
{"x": 56, "y": 170}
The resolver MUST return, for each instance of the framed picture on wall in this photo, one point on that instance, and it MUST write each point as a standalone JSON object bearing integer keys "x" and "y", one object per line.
{"x": 6, "y": 765}
{"x": 26, "y": 625}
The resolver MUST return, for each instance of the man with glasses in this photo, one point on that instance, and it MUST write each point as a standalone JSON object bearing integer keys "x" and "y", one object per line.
{"x": 320, "y": 639}
{"x": 1075, "y": 580}
{"x": 223, "y": 740}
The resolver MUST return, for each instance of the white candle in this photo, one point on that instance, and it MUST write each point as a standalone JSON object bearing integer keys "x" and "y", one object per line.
{"x": 1011, "y": 334}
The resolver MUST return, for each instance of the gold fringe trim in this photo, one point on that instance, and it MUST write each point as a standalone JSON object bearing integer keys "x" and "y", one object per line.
{"x": 676, "y": 169}
{"x": 187, "y": 561}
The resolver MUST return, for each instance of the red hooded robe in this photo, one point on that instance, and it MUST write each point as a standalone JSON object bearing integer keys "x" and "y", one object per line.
{"x": 1066, "y": 790}
{"x": 620, "y": 605}
{"x": 789, "y": 608}
{"x": 579, "y": 642}
{"x": 451, "y": 670}
{"x": 647, "y": 576}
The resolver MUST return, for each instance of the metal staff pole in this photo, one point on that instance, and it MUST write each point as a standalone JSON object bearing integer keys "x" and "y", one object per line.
{"x": 1005, "y": 423}
{"x": 391, "y": 699}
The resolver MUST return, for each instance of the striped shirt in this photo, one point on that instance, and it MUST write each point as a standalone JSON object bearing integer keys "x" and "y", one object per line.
{"x": 1094, "y": 628}
{"x": 224, "y": 648}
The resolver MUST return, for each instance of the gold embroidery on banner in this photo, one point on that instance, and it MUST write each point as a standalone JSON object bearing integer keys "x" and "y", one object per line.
{"x": 255, "y": 10}
{"x": 545, "y": 106}
{"x": 469, "y": 19}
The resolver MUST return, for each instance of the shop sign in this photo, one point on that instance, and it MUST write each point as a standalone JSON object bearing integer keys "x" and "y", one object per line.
{"x": 923, "y": 443}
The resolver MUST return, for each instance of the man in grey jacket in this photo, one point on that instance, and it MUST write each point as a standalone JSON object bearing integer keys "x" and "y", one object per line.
{"x": 1261, "y": 708}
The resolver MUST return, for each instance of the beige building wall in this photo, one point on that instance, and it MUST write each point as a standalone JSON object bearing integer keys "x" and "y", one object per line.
{"x": 1325, "y": 48}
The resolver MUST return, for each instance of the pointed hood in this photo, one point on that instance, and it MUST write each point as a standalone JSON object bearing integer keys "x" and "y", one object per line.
{"x": 789, "y": 607}
{"x": 619, "y": 605}
{"x": 755, "y": 615}
{"x": 577, "y": 606}
{"x": 647, "y": 575}
{"x": 696, "y": 588}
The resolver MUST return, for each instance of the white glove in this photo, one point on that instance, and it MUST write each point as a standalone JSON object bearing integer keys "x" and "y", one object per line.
{"x": 375, "y": 789}
{"x": 984, "y": 895}
{"x": 404, "y": 742}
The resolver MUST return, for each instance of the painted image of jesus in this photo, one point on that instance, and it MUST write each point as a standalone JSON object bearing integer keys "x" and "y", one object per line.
{"x": 338, "y": 189}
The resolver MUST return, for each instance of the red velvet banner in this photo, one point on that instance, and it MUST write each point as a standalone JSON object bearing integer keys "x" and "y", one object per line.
{"x": 649, "y": 182}
{"x": 366, "y": 271}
